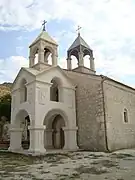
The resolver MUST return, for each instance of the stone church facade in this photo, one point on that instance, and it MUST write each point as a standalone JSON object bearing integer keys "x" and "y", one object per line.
{"x": 69, "y": 108}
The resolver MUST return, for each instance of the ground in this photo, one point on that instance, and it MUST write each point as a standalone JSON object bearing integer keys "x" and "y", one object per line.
{"x": 69, "y": 166}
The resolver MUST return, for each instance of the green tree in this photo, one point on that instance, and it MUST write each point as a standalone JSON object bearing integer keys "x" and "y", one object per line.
{"x": 5, "y": 106}
{"x": 6, "y": 98}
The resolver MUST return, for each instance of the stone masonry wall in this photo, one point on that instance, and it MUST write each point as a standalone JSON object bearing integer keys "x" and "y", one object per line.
{"x": 118, "y": 97}
{"x": 89, "y": 106}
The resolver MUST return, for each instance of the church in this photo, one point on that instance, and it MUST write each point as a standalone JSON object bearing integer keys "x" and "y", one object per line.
{"x": 69, "y": 109}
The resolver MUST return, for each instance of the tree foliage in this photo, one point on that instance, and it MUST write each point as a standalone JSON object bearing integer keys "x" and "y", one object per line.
{"x": 5, "y": 106}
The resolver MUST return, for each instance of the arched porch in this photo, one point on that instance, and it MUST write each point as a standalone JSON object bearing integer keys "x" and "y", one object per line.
{"x": 19, "y": 133}
{"x": 58, "y": 133}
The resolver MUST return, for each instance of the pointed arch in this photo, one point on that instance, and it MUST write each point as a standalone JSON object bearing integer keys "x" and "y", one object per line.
{"x": 51, "y": 114}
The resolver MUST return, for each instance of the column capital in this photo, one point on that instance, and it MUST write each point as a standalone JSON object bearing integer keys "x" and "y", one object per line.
{"x": 69, "y": 59}
{"x": 70, "y": 129}
{"x": 13, "y": 129}
{"x": 49, "y": 130}
{"x": 91, "y": 58}
{"x": 37, "y": 127}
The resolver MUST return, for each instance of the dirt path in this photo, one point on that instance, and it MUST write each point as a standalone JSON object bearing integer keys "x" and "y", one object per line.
{"x": 67, "y": 166}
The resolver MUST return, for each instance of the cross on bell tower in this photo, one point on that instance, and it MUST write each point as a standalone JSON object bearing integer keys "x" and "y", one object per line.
{"x": 44, "y": 23}
{"x": 78, "y": 30}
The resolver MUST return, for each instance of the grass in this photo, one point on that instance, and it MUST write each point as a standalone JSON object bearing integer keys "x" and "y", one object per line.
{"x": 60, "y": 166}
{"x": 91, "y": 170}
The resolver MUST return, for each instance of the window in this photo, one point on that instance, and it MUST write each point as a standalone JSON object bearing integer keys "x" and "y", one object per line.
{"x": 54, "y": 92}
{"x": 125, "y": 116}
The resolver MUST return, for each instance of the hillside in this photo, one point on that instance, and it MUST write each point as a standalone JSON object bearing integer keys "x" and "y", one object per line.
{"x": 5, "y": 89}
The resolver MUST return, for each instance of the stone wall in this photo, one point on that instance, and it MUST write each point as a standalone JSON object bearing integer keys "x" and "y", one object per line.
{"x": 117, "y": 98}
{"x": 90, "y": 116}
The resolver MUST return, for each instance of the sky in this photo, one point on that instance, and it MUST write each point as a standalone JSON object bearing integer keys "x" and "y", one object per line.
{"x": 108, "y": 26}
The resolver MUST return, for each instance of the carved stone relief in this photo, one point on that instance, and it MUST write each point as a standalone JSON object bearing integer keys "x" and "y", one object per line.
{"x": 42, "y": 95}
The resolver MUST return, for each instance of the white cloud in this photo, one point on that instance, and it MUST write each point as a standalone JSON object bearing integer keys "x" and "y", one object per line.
{"x": 108, "y": 26}
{"x": 10, "y": 67}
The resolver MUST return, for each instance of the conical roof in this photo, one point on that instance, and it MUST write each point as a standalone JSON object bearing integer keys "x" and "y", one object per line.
{"x": 79, "y": 42}
{"x": 45, "y": 36}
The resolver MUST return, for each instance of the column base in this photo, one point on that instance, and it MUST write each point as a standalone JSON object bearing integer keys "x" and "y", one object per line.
{"x": 37, "y": 152}
{"x": 71, "y": 148}
{"x": 15, "y": 150}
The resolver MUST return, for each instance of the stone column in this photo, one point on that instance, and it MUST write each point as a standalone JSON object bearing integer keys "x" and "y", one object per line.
{"x": 70, "y": 138}
{"x": 37, "y": 139}
{"x": 81, "y": 60}
{"x": 15, "y": 139}
{"x": 41, "y": 55}
{"x": 31, "y": 61}
{"x": 54, "y": 58}
{"x": 92, "y": 64}
{"x": 69, "y": 64}
{"x": 48, "y": 138}
{"x": 57, "y": 138}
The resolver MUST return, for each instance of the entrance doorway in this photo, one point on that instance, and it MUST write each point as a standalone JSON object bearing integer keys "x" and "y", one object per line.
{"x": 58, "y": 139}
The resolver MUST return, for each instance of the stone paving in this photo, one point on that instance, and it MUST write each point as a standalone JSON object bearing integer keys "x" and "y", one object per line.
{"x": 119, "y": 165}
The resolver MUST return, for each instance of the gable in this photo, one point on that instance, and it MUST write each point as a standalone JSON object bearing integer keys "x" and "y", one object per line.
{"x": 55, "y": 72}
{"x": 23, "y": 74}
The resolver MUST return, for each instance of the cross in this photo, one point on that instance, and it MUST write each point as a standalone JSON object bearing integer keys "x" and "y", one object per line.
{"x": 78, "y": 29}
{"x": 44, "y": 22}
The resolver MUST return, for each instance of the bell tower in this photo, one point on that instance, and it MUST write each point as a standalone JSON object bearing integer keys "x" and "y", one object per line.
{"x": 41, "y": 49}
{"x": 80, "y": 49}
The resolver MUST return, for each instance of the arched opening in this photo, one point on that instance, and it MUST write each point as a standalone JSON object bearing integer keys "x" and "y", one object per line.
{"x": 55, "y": 90}
{"x": 87, "y": 61}
{"x": 22, "y": 121}
{"x": 48, "y": 56}
{"x": 73, "y": 55}
{"x": 23, "y": 91}
{"x": 74, "y": 62}
{"x": 54, "y": 137}
{"x": 87, "y": 53}
{"x": 58, "y": 133}
{"x": 36, "y": 57}
{"x": 125, "y": 116}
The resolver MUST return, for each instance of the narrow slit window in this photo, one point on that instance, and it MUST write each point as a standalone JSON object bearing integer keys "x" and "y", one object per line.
{"x": 125, "y": 116}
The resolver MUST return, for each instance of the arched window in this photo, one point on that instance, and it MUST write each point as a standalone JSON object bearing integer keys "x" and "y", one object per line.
{"x": 125, "y": 116}
{"x": 23, "y": 91}
{"x": 54, "y": 91}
